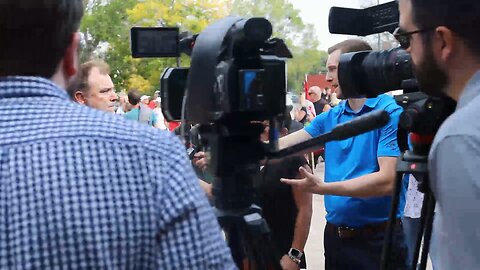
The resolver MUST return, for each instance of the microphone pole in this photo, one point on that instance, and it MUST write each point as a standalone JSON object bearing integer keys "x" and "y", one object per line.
{"x": 365, "y": 123}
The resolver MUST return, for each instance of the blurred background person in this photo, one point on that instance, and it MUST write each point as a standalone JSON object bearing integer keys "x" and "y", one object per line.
{"x": 161, "y": 124}
{"x": 306, "y": 113}
{"x": 328, "y": 94}
{"x": 140, "y": 111}
{"x": 123, "y": 105}
{"x": 145, "y": 100}
{"x": 152, "y": 105}
{"x": 334, "y": 100}
{"x": 320, "y": 104}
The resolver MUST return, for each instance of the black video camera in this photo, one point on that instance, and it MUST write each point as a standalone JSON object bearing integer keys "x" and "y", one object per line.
{"x": 236, "y": 68}
{"x": 236, "y": 80}
{"x": 369, "y": 74}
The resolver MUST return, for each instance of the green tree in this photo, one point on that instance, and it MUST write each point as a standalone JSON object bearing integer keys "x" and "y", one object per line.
{"x": 106, "y": 34}
{"x": 288, "y": 25}
{"x": 188, "y": 15}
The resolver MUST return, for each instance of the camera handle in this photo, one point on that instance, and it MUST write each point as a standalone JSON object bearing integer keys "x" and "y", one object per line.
{"x": 408, "y": 162}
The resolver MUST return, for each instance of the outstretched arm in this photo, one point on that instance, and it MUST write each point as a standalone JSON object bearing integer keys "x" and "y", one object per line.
{"x": 371, "y": 185}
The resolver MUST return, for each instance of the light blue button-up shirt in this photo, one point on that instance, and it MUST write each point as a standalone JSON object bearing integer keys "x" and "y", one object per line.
{"x": 454, "y": 163}
{"x": 83, "y": 189}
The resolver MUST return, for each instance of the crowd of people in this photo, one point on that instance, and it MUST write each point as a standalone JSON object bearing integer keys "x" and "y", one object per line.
{"x": 90, "y": 179}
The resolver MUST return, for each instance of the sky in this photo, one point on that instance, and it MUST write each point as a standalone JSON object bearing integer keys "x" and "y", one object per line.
{"x": 316, "y": 12}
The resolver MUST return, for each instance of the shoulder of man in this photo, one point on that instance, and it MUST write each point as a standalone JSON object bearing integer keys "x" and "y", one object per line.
{"x": 388, "y": 103}
{"x": 97, "y": 125}
{"x": 461, "y": 123}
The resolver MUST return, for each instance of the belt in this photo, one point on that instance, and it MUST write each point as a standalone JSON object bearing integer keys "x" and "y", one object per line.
{"x": 368, "y": 230}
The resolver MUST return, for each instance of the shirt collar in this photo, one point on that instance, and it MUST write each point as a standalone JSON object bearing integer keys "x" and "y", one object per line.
{"x": 370, "y": 103}
{"x": 22, "y": 86}
{"x": 470, "y": 92}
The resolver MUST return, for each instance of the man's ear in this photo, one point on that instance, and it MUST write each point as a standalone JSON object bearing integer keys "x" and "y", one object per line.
{"x": 71, "y": 58}
{"x": 444, "y": 43}
{"x": 80, "y": 98}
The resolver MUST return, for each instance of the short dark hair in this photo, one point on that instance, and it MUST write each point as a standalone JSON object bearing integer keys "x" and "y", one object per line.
{"x": 81, "y": 82}
{"x": 460, "y": 16}
{"x": 350, "y": 45}
{"x": 34, "y": 35}
{"x": 134, "y": 97}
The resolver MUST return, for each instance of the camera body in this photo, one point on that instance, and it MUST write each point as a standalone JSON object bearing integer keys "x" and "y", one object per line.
{"x": 236, "y": 69}
{"x": 369, "y": 74}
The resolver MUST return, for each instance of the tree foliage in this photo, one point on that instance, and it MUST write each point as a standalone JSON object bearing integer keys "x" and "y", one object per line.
{"x": 288, "y": 25}
{"x": 106, "y": 31}
{"x": 106, "y": 34}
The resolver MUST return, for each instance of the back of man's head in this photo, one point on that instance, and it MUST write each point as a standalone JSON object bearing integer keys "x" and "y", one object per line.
{"x": 34, "y": 35}
{"x": 350, "y": 45}
{"x": 460, "y": 16}
{"x": 134, "y": 97}
{"x": 315, "y": 93}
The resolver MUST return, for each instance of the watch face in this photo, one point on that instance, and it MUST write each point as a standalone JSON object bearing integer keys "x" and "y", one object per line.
{"x": 295, "y": 252}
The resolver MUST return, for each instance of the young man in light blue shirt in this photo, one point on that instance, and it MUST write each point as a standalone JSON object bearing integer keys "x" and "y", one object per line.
{"x": 359, "y": 177}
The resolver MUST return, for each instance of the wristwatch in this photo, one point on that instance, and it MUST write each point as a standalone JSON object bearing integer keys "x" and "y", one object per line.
{"x": 295, "y": 255}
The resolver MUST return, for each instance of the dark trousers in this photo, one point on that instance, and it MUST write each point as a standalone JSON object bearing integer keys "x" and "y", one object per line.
{"x": 362, "y": 252}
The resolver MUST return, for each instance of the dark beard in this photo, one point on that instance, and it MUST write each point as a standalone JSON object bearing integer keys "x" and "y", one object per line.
{"x": 431, "y": 79}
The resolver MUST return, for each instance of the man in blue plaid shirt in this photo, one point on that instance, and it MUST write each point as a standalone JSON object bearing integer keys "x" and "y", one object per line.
{"x": 80, "y": 188}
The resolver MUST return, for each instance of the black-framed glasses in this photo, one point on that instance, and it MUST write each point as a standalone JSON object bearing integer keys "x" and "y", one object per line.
{"x": 404, "y": 37}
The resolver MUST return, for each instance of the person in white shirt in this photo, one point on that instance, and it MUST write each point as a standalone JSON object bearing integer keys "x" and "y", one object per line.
{"x": 158, "y": 112}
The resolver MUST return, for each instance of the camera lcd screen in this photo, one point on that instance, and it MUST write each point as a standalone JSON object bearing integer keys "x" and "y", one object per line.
{"x": 252, "y": 88}
{"x": 154, "y": 42}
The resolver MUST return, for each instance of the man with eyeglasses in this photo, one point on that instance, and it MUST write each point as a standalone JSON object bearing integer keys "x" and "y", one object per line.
{"x": 359, "y": 176}
{"x": 443, "y": 39}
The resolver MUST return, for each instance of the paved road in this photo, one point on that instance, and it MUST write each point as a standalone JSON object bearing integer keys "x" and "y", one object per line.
{"x": 314, "y": 246}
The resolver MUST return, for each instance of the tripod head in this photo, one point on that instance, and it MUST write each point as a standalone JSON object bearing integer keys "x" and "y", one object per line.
{"x": 419, "y": 122}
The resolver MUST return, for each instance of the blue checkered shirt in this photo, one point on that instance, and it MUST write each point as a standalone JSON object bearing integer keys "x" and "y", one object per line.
{"x": 83, "y": 189}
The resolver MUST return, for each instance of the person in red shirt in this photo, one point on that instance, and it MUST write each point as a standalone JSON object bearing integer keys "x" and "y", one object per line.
{"x": 152, "y": 105}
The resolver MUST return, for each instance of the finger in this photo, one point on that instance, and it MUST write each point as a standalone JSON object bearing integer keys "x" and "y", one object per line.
{"x": 199, "y": 155}
{"x": 200, "y": 163}
{"x": 305, "y": 173}
{"x": 293, "y": 182}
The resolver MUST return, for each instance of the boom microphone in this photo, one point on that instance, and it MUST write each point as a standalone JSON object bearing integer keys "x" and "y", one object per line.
{"x": 367, "y": 122}
{"x": 361, "y": 124}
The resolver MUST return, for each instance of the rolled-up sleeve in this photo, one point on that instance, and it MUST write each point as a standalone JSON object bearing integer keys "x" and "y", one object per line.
{"x": 387, "y": 143}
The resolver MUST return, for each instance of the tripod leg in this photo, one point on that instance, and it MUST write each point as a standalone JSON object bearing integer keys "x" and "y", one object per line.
{"x": 387, "y": 247}
{"x": 234, "y": 243}
{"x": 425, "y": 230}
{"x": 418, "y": 242}
{"x": 428, "y": 229}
